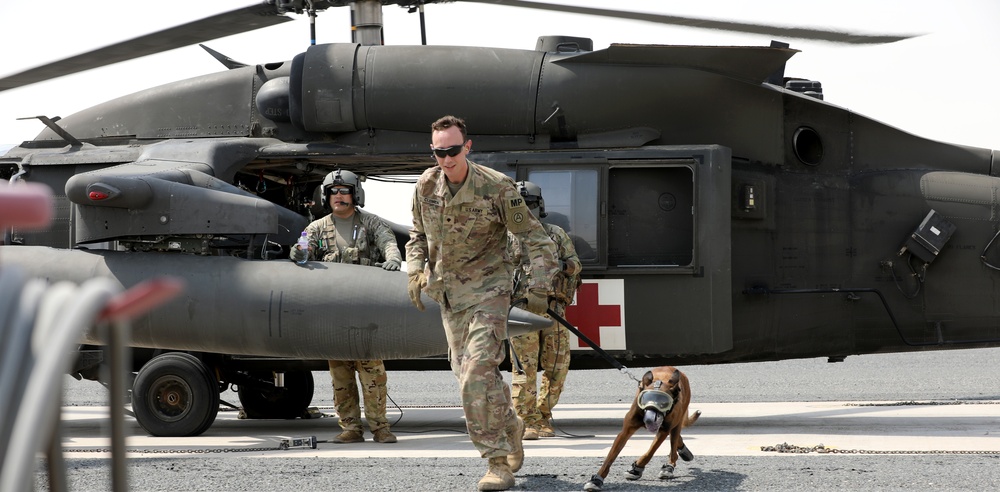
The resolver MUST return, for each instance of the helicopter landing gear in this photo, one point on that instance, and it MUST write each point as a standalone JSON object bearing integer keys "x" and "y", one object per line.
{"x": 266, "y": 401}
{"x": 174, "y": 395}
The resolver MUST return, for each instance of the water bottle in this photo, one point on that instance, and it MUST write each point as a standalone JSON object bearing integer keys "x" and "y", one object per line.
{"x": 304, "y": 246}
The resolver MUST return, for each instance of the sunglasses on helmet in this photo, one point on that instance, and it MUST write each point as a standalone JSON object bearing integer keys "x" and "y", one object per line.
{"x": 448, "y": 151}
{"x": 655, "y": 400}
{"x": 341, "y": 191}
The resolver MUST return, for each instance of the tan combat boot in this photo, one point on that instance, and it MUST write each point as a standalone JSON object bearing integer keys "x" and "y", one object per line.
{"x": 514, "y": 434}
{"x": 384, "y": 435}
{"x": 530, "y": 434}
{"x": 498, "y": 477}
{"x": 349, "y": 436}
{"x": 545, "y": 429}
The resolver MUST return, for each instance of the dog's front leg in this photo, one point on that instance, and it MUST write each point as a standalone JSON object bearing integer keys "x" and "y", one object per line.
{"x": 596, "y": 482}
{"x": 640, "y": 464}
{"x": 677, "y": 448}
{"x": 616, "y": 449}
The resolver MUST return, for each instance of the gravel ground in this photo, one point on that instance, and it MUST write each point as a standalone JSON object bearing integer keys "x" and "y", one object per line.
{"x": 706, "y": 473}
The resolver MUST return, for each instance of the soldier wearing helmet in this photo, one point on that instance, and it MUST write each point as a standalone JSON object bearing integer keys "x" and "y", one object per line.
{"x": 550, "y": 346}
{"x": 351, "y": 235}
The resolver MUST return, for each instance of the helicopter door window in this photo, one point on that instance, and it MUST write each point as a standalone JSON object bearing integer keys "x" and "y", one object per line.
{"x": 572, "y": 200}
{"x": 650, "y": 216}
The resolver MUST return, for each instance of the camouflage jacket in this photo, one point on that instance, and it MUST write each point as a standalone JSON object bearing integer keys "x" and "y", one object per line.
{"x": 565, "y": 282}
{"x": 460, "y": 242}
{"x": 373, "y": 241}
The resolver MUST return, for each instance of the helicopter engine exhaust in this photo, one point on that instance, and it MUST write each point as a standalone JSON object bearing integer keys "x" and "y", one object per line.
{"x": 274, "y": 308}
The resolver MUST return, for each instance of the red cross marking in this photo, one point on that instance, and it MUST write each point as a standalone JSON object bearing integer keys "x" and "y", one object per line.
{"x": 587, "y": 315}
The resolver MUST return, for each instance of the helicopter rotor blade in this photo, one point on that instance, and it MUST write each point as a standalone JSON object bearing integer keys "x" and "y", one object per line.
{"x": 750, "y": 28}
{"x": 267, "y": 13}
{"x": 225, "y": 24}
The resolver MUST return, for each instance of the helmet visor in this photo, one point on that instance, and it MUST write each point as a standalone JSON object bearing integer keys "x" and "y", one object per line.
{"x": 655, "y": 400}
{"x": 330, "y": 188}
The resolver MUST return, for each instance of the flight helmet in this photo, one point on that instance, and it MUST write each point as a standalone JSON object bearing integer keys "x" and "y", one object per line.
{"x": 343, "y": 178}
{"x": 532, "y": 194}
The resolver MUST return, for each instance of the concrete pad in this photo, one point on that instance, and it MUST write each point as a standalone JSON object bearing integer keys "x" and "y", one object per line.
{"x": 583, "y": 430}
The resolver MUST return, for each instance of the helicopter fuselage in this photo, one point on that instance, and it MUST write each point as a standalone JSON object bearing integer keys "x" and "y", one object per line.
{"x": 720, "y": 216}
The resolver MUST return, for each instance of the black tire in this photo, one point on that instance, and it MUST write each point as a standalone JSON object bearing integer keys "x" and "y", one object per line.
{"x": 289, "y": 402}
{"x": 174, "y": 395}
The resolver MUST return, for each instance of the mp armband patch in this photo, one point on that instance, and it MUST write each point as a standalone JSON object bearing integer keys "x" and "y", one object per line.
{"x": 517, "y": 215}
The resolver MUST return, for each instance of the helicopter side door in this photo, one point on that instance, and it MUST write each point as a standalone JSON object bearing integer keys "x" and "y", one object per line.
{"x": 652, "y": 228}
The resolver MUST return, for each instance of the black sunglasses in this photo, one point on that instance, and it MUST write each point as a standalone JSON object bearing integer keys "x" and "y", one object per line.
{"x": 448, "y": 151}
{"x": 342, "y": 191}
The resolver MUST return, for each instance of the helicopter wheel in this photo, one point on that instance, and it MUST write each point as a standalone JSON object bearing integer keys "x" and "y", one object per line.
{"x": 271, "y": 402}
{"x": 174, "y": 395}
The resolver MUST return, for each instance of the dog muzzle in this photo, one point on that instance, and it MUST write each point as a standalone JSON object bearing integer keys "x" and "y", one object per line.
{"x": 656, "y": 405}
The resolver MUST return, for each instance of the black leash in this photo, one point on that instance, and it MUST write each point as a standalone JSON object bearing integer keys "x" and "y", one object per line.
{"x": 514, "y": 358}
{"x": 598, "y": 349}
{"x": 581, "y": 336}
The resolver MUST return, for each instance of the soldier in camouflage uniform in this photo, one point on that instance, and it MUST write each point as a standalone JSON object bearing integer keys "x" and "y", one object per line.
{"x": 550, "y": 346}
{"x": 351, "y": 235}
{"x": 456, "y": 254}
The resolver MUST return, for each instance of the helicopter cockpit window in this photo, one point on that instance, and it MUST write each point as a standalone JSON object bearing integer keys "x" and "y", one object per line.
{"x": 572, "y": 198}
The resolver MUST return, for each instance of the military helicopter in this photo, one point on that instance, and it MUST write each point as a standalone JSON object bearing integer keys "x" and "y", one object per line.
{"x": 725, "y": 211}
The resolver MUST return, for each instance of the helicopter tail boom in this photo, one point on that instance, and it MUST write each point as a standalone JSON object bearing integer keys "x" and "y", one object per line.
{"x": 273, "y": 308}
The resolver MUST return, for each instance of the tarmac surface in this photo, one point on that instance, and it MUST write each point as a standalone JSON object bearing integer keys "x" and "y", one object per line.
{"x": 918, "y": 421}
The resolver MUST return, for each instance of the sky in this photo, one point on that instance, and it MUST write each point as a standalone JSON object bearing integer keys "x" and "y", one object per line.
{"x": 940, "y": 85}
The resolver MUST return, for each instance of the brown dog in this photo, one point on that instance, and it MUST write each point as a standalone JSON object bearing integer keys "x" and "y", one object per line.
{"x": 661, "y": 406}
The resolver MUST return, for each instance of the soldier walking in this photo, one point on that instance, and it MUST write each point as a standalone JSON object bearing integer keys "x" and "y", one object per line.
{"x": 456, "y": 254}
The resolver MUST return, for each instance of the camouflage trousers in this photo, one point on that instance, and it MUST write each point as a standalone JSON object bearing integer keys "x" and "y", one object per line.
{"x": 345, "y": 393}
{"x": 475, "y": 350}
{"x": 550, "y": 349}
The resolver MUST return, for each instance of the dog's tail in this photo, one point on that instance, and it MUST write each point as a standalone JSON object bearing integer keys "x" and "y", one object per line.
{"x": 692, "y": 418}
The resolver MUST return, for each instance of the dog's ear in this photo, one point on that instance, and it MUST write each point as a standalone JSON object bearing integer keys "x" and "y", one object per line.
{"x": 647, "y": 379}
{"x": 675, "y": 384}
{"x": 675, "y": 378}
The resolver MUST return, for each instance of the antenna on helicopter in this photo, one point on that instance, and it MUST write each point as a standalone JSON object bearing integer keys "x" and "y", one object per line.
{"x": 299, "y": 6}
{"x": 312, "y": 24}
{"x": 225, "y": 60}
{"x": 423, "y": 24}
